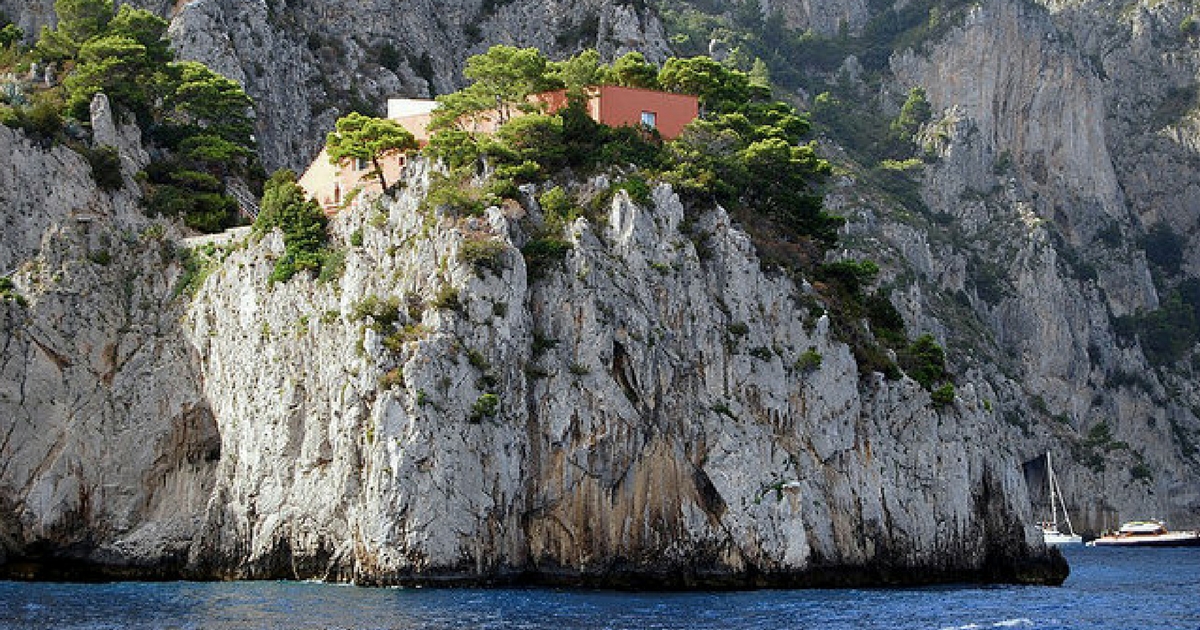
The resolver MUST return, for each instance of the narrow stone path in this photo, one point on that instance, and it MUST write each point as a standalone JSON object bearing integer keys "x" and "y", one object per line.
{"x": 220, "y": 238}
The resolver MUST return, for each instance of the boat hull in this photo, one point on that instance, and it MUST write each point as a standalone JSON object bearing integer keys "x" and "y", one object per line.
{"x": 1178, "y": 539}
{"x": 1056, "y": 540}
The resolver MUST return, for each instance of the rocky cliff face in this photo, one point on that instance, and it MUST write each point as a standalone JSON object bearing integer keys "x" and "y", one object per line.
{"x": 649, "y": 422}
{"x": 649, "y": 409}
{"x": 1047, "y": 123}
{"x": 105, "y": 439}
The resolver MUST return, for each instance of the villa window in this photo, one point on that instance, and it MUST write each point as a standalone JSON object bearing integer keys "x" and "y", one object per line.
{"x": 360, "y": 164}
{"x": 649, "y": 120}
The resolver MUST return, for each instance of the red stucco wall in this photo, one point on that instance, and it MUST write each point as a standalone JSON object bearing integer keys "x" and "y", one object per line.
{"x": 618, "y": 106}
{"x": 623, "y": 106}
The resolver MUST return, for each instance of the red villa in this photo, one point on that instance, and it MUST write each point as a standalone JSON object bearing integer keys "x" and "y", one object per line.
{"x": 612, "y": 105}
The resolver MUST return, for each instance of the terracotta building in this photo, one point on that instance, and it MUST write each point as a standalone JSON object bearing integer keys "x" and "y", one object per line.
{"x": 615, "y": 106}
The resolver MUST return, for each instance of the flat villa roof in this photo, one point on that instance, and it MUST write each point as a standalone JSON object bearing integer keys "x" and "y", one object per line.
{"x": 401, "y": 107}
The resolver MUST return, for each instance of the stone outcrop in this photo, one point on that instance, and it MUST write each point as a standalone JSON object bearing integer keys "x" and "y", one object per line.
{"x": 1047, "y": 121}
{"x": 647, "y": 425}
{"x": 269, "y": 431}
{"x": 106, "y": 445}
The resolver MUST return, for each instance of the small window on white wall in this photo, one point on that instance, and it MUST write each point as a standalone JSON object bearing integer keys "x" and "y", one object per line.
{"x": 649, "y": 120}
{"x": 360, "y": 164}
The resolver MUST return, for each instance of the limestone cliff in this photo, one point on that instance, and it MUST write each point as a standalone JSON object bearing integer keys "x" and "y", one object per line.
{"x": 649, "y": 423}
{"x": 103, "y": 433}
{"x": 649, "y": 410}
{"x": 1041, "y": 170}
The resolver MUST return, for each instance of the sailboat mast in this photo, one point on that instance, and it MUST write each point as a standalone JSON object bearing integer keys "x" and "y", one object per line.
{"x": 1056, "y": 490}
{"x": 1053, "y": 490}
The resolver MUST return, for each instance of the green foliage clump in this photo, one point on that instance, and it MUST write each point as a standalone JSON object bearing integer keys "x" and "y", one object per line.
{"x": 106, "y": 167}
{"x": 8, "y": 291}
{"x": 383, "y": 312}
{"x": 1168, "y": 333}
{"x": 541, "y": 253}
{"x": 455, "y": 194}
{"x": 637, "y": 188}
{"x": 925, "y": 361}
{"x": 392, "y": 379}
{"x": 809, "y": 361}
{"x": 483, "y": 254}
{"x": 196, "y": 197}
{"x": 286, "y": 206}
{"x": 943, "y": 395}
{"x": 1164, "y": 248}
{"x": 40, "y": 117}
{"x": 558, "y": 209}
{"x": 197, "y": 264}
{"x": 10, "y": 34}
{"x": 359, "y": 137}
{"x": 446, "y": 299}
{"x": 1189, "y": 26}
{"x": 501, "y": 79}
{"x": 915, "y": 112}
{"x": 486, "y": 406}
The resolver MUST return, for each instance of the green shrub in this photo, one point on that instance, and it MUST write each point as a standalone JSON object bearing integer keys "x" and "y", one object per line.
{"x": 1141, "y": 472}
{"x": 396, "y": 341}
{"x": 541, "y": 253}
{"x": 106, "y": 167}
{"x": 579, "y": 369}
{"x": 286, "y": 206}
{"x": 809, "y": 361}
{"x": 483, "y": 254}
{"x": 762, "y": 353}
{"x": 455, "y": 196}
{"x": 101, "y": 257}
{"x": 384, "y": 312}
{"x": 943, "y": 395}
{"x": 925, "y": 361}
{"x": 1189, "y": 26}
{"x": 1164, "y": 248}
{"x": 638, "y": 189}
{"x": 486, "y": 406}
{"x": 356, "y": 238}
{"x": 850, "y": 275}
{"x": 534, "y": 138}
{"x": 446, "y": 298}
{"x": 333, "y": 265}
{"x": 393, "y": 378}
{"x": 478, "y": 361}
{"x": 454, "y": 147}
{"x": 197, "y": 264}
{"x": 558, "y": 209}
{"x": 8, "y": 291}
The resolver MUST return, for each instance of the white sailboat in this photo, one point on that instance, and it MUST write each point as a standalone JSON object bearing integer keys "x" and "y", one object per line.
{"x": 1050, "y": 531}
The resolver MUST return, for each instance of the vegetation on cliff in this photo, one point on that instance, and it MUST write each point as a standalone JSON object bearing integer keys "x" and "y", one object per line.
{"x": 747, "y": 152}
{"x": 199, "y": 123}
{"x": 286, "y": 206}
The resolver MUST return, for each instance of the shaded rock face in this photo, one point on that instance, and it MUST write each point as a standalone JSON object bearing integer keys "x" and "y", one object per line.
{"x": 649, "y": 424}
{"x": 107, "y": 448}
{"x": 1045, "y": 128}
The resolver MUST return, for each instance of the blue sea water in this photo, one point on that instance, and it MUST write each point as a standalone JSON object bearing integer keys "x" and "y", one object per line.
{"x": 1108, "y": 589}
